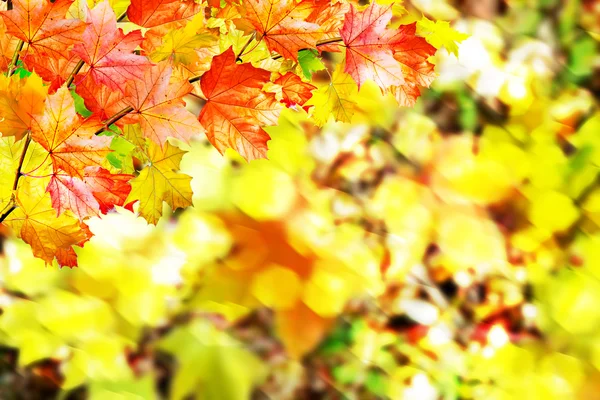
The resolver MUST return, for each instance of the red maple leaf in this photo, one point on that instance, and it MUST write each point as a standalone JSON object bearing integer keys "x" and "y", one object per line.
{"x": 237, "y": 108}
{"x": 157, "y": 102}
{"x": 370, "y": 46}
{"x": 149, "y": 13}
{"x": 108, "y": 52}
{"x": 98, "y": 192}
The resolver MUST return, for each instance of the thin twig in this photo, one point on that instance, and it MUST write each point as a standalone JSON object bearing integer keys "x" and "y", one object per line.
{"x": 239, "y": 57}
{"x": 15, "y": 58}
{"x": 122, "y": 16}
{"x": 13, "y": 207}
{"x": 74, "y": 72}
{"x": 115, "y": 118}
{"x": 319, "y": 43}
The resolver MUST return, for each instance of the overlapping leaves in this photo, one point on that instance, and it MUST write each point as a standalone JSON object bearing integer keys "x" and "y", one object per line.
{"x": 99, "y": 115}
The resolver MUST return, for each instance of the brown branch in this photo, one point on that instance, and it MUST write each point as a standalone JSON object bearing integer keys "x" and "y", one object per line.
{"x": 73, "y": 73}
{"x": 319, "y": 43}
{"x": 15, "y": 58}
{"x": 122, "y": 16}
{"x": 239, "y": 57}
{"x": 13, "y": 207}
{"x": 114, "y": 119}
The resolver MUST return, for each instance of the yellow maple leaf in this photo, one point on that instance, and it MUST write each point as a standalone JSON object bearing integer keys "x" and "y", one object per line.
{"x": 440, "y": 34}
{"x": 160, "y": 181}
{"x": 35, "y": 221}
{"x": 336, "y": 99}
{"x": 181, "y": 45}
{"x": 20, "y": 99}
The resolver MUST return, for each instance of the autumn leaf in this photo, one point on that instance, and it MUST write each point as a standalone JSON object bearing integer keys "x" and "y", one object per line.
{"x": 20, "y": 99}
{"x": 283, "y": 24}
{"x": 337, "y": 99}
{"x": 413, "y": 52}
{"x": 369, "y": 46}
{"x": 98, "y": 192}
{"x": 41, "y": 24}
{"x": 100, "y": 100}
{"x": 35, "y": 221}
{"x": 329, "y": 15}
{"x": 8, "y": 44}
{"x": 237, "y": 108}
{"x": 294, "y": 90}
{"x": 158, "y": 105}
{"x": 440, "y": 34}
{"x": 160, "y": 181}
{"x": 53, "y": 70}
{"x": 69, "y": 139}
{"x": 181, "y": 45}
{"x": 10, "y": 153}
{"x": 108, "y": 52}
{"x": 149, "y": 13}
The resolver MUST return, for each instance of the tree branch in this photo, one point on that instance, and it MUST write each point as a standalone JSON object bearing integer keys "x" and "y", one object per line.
{"x": 15, "y": 58}
{"x": 73, "y": 73}
{"x": 13, "y": 207}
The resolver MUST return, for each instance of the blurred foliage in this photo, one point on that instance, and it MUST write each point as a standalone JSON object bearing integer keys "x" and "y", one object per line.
{"x": 446, "y": 252}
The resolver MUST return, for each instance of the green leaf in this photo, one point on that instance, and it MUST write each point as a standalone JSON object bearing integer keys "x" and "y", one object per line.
{"x": 80, "y": 105}
{"x": 310, "y": 62}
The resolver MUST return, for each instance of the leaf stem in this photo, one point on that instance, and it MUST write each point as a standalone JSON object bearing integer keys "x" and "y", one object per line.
{"x": 121, "y": 17}
{"x": 18, "y": 175}
{"x": 115, "y": 118}
{"x": 319, "y": 43}
{"x": 239, "y": 57}
{"x": 15, "y": 58}
{"x": 74, "y": 72}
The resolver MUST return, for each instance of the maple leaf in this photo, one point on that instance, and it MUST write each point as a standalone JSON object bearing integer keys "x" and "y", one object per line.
{"x": 8, "y": 44}
{"x": 150, "y": 13}
{"x": 440, "y": 34}
{"x": 20, "y": 99}
{"x": 158, "y": 106}
{"x": 329, "y": 15}
{"x": 294, "y": 90}
{"x": 181, "y": 45}
{"x": 108, "y": 52}
{"x": 237, "y": 108}
{"x": 10, "y": 153}
{"x": 35, "y": 221}
{"x": 100, "y": 100}
{"x": 283, "y": 24}
{"x": 369, "y": 46}
{"x": 98, "y": 192}
{"x": 160, "y": 181}
{"x": 335, "y": 100}
{"x": 69, "y": 139}
{"x": 54, "y": 70}
{"x": 413, "y": 52}
{"x": 42, "y": 25}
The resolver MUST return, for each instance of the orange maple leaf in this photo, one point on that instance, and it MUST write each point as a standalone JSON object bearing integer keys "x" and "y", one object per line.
{"x": 294, "y": 90}
{"x": 370, "y": 46}
{"x": 237, "y": 108}
{"x": 54, "y": 70}
{"x": 413, "y": 52}
{"x": 158, "y": 105}
{"x": 68, "y": 138}
{"x": 108, "y": 52}
{"x": 283, "y": 24}
{"x": 42, "y": 25}
{"x": 149, "y": 13}
{"x": 35, "y": 222}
